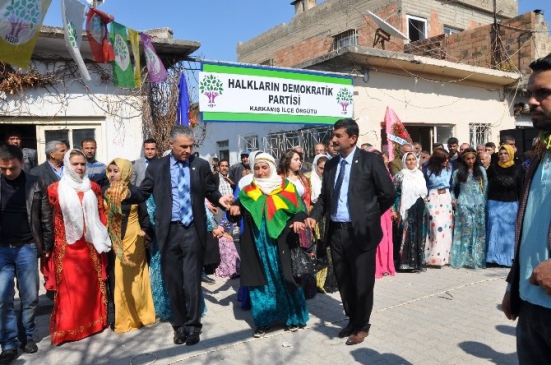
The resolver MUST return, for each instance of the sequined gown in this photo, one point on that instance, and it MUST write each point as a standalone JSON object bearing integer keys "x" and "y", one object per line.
{"x": 80, "y": 303}
{"x": 161, "y": 301}
{"x": 273, "y": 302}
{"x": 469, "y": 234}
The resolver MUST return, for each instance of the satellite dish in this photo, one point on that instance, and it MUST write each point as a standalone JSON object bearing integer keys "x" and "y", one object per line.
{"x": 97, "y": 2}
{"x": 384, "y": 31}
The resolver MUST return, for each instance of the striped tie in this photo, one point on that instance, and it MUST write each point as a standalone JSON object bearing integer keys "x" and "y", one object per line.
{"x": 186, "y": 215}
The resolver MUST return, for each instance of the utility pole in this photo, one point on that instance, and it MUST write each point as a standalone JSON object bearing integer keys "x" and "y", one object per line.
{"x": 495, "y": 41}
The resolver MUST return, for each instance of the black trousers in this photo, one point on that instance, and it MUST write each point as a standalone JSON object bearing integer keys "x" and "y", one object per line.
{"x": 355, "y": 273}
{"x": 533, "y": 336}
{"x": 182, "y": 261}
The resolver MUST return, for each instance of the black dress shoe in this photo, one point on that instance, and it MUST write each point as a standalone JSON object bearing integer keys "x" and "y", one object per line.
{"x": 260, "y": 331}
{"x": 207, "y": 280}
{"x": 29, "y": 346}
{"x": 346, "y": 331}
{"x": 180, "y": 336}
{"x": 192, "y": 338}
{"x": 8, "y": 356}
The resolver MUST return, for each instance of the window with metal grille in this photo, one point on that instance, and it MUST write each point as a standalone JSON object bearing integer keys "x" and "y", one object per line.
{"x": 251, "y": 143}
{"x": 479, "y": 133}
{"x": 269, "y": 62}
{"x": 279, "y": 142}
{"x": 345, "y": 39}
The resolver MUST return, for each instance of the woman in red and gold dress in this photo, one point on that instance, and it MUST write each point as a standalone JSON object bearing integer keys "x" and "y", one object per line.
{"x": 77, "y": 268}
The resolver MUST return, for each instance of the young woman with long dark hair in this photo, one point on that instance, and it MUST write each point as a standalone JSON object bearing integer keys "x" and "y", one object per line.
{"x": 469, "y": 235}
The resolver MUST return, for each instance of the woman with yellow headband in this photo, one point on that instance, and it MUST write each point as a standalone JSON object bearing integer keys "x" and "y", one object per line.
{"x": 469, "y": 234}
{"x": 504, "y": 185}
{"x": 129, "y": 226}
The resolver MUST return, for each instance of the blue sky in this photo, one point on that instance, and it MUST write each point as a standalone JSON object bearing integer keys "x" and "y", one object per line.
{"x": 217, "y": 24}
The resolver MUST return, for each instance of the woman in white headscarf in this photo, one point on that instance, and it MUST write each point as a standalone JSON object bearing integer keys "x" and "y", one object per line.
{"x": 315, "y": 176}
{"x": 271, "y": 210}
{"x": 79, "y": 259}
{"x": 410, "y": 211}
{"x": 247, "y": 179}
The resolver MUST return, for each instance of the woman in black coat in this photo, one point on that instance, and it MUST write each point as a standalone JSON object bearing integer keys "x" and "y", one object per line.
{"x": 272, "y": 212}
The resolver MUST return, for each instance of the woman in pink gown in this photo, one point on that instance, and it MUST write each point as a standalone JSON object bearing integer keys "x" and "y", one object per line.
{"x": 385, "y": 251}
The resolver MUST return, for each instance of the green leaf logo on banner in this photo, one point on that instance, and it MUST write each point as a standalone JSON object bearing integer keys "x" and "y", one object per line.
{"x": 151, "y": 58}
{"x": 72, "y": 34}
{"x": 122, "y": 55}
{"x": 96, "y": 29}
{"x": 20, "y": 20}
{"x": 344, "y": 98}
{"x": 211, "y": 87}
{"x": 123, "y": 73}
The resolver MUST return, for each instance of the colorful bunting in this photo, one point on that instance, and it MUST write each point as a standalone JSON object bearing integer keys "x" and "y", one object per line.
{"x": 134, "y": 37}
{"x": 72, "y": 12}
{"x": 155, "y": 67}
{"x": 20, "y": 23}
{"x": 182, "y": 116}
{"x": 123, "y": 74}
{"x": 96, "y": 29}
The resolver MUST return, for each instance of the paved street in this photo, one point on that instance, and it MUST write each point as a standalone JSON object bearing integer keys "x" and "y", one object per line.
{"x": 442, "y": 316}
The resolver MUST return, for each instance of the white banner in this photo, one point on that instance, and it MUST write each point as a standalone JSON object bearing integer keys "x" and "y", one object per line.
{"x": 273, "y": 95}
{"x": 72, "y": 12}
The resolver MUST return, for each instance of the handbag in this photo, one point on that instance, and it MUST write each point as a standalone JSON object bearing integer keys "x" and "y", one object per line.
{"x": 322, "y": 257}
{"x": 303, "y": 255}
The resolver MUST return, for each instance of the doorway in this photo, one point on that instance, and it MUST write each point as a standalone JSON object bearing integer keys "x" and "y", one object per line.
{"x": 27, "y": 131}
{"x": 426, "y": 135}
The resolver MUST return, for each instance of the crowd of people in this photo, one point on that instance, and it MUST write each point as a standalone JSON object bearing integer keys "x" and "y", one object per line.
{"x": 115, "y": 235}
{"x": 450, "y": 208}
{"x": 142, "y": 236}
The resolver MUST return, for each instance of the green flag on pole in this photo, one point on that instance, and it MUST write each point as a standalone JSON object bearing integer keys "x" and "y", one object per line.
{"x": 123, "y": 73}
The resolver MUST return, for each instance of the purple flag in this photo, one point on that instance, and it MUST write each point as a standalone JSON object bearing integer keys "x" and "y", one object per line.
{"x": 155, "y": 67}
{"x": 182, "y": 117}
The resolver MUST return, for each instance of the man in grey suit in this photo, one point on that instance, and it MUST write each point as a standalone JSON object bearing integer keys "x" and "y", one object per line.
{"x": 140, "y": 165}
{"x": 356, "y": 189}
{"x": 13, "y": 137}
{"x": 51, "y": 170}
{"x": 180, "y": 182}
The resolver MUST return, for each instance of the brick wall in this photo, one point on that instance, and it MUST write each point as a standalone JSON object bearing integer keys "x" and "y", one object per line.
{"x": 310, "y": 34}
{"x": 431, "y": 47}
{"x": 457, "y": 14}
{"x": 518, "y": 46}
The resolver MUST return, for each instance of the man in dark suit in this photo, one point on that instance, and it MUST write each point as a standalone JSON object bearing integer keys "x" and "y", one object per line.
{"x": 356, "y": 190}
{"x": 51, "y": 170}
{"x": 180, "y": 182}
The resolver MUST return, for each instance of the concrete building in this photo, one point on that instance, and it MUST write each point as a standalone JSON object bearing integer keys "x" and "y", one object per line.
{"x": 434, "y": 98}
{"x": 63, "y": 106}
{"x": 318, "y": 29}
{"x": 514, "y": 44}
